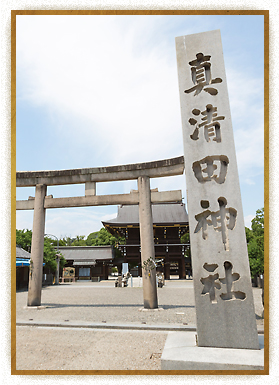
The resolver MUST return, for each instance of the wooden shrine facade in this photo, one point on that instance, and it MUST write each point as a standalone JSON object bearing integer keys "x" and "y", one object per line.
{"x": 90, "y": 262}
{"x": 170, "y": 222}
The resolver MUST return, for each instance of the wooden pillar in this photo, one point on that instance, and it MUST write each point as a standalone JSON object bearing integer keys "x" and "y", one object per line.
{"x": 167, "y": 267}
{"x": 139, "y": 270}
{"x": 183, "y": 273}
{"x": 181, "y": 268}
{"x": 106, "y": 271}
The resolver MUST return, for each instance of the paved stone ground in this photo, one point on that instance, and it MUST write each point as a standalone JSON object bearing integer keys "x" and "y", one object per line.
{"x": 51, "y": 348}
{"x": 40, "y": 348}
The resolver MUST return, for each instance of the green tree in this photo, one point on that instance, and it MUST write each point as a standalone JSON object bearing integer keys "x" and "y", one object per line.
{"x": 255, "y": 244}
{"x": 50, "y": 254}
{"x": 97, "y": 238}
{"x": 91, "y": 237}
{"x": 186, "y": 239}
{"x": 66, "y": 241}
{"x": 24, "y": 240}
{"x": 104, "y": 237}
{"x": 79, "y": 241}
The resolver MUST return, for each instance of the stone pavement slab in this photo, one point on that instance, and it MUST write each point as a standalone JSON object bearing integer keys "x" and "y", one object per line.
{"x": 182, "y": 353}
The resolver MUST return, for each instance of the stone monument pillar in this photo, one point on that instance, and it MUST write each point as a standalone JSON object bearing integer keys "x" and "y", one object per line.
{"x": 147, "y": 244}
{"x": 222, "y": 284}
{"x": 37, "y": 248}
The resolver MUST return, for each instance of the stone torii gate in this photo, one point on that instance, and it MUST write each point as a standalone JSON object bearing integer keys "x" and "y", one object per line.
{"x": 90, "y": 176}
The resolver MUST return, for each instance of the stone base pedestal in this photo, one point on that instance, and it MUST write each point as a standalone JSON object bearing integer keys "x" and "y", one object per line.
{"x": 182, "y": 353}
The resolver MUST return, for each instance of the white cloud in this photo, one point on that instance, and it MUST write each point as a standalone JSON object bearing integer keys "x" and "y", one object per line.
{"x": 247, "y": 220}
{"x": 69, "y": 222}
{"x": 111, "y": 83}
{"x": 249, "y": 181}
{"x": 250, "y": 150}
{"x": 24, "y": 219}
{"x": 246, "y": 95}
{"x": 247, "y": 107}
{"x": 77, "y": 221}
{"x": 107, "y": 217}
{"x": 128, "y": 95}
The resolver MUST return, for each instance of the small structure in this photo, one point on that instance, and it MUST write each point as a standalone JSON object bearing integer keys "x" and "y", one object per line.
{"x": 170, "y": 222}
{"x": 23, "y": 258}
{"x": 90, "y": 262}
{"x": 22, "y": 268}
{"x": 68, "y": 274}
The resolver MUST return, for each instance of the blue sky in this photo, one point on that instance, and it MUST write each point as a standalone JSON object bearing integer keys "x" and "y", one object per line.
{"x": 103, "y": 90}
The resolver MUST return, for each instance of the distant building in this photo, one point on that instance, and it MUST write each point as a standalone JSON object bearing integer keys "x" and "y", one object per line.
{"x": 90, "y": 262}
{"x": 22, "y": 268}
{"x": 170, "y": 222}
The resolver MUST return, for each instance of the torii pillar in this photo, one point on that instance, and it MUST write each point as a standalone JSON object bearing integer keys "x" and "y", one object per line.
{"x": 150, "y": 300}
{"x": 37, "y": 248}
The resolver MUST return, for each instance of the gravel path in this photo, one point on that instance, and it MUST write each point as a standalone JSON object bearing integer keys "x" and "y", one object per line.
{"x": 51, "y": 348}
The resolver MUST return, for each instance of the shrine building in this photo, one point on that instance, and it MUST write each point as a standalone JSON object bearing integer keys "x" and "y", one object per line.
{"x": 170, "y": 222}
{"x": 89, "y": 262}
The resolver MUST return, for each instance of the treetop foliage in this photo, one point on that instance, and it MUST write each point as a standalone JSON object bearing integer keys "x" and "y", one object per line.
{"x": 255, "y": 244}
{"x": 97, "y": 238}
{"x": 24, "y": 240}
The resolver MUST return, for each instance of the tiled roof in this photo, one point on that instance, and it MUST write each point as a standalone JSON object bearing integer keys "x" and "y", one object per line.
{"x": 87, "y": 253}
{"x": 168, "y": 213}
{"x": 21, "y": 253}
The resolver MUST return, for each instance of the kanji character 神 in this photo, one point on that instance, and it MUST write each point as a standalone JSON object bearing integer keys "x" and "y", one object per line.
{"x": 222, "y": 220}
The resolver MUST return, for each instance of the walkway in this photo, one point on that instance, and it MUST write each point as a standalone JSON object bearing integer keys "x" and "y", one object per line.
{"x": 95, "y": 326}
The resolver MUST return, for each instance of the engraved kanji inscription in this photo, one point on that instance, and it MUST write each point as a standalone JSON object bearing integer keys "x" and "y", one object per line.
{"x": 222, "y": 220}
{"x": 211, "y": 168}
{"x": 229, "y": 279}
{"x": 210, "y": 122}
{"x": 212, "y": 282}
{"x": 210, "y": 267}
{"x": 210, "y": 285}
{"x": 201, "y": 75}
